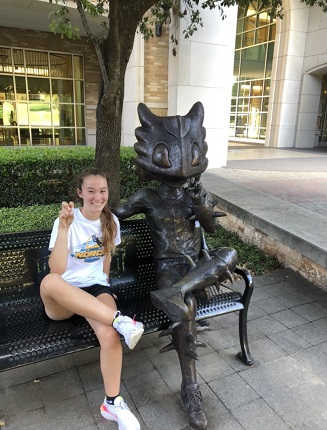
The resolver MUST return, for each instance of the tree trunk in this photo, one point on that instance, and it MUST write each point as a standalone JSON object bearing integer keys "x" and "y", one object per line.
{"x": 123, "y": 20}
{"x": 107, "y": 153}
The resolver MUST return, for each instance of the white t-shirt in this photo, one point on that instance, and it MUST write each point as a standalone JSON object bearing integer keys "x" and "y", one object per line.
{"x": 86, "y": 257}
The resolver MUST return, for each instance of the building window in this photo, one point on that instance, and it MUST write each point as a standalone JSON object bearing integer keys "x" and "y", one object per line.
{"x": 254, "y": 49}
{"x": 322, "y": 117}
{"x": 41, "y": 98}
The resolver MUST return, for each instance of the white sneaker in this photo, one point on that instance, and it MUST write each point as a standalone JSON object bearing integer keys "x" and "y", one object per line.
{"x": 130, "y": 329}
{"x": 120, "y": 413}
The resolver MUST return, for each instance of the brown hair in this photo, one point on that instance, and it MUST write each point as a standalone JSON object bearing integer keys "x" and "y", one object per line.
{"x": 108, "y": 225}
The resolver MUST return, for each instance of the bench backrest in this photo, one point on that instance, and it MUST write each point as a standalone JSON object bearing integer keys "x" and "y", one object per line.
{"x": 24, "y": 262}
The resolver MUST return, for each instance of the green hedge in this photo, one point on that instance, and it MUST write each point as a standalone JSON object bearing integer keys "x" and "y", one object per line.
{"x": 42, "y": 217}
{"x": 129, "y": 178}
{"x": 28, "y": 218}
{"x": 42, "y": 176}
{"x": 32, "y": 176}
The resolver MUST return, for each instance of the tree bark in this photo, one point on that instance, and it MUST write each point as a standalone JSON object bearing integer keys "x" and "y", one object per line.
{"x": 124, "y": 17}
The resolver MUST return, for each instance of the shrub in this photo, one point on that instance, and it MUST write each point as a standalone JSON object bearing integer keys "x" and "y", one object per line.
{"x": 33, "y": 176}
{"x": 129, "y": 179}
{"x": 250, "y": 256}
{"x": 42, "y": 176}
{"x": 28, "y": 218}
{"x": 42, "y": 217}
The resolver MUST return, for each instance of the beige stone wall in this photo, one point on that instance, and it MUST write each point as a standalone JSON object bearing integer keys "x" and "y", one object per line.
{"x": 29, "y": 39}
{"x": 287, "y": 257}
{"x": 156, "y": 72}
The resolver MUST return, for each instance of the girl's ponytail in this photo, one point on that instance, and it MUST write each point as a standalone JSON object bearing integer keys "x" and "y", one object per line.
{"x": 109, "y": 230}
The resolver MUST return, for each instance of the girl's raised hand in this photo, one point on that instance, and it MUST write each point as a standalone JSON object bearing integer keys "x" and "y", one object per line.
{"x": 66, "y": 215}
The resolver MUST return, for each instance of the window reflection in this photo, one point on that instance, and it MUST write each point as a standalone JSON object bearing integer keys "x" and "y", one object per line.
{"x": 253, "y": 61}
{"x": 62, "y": 90}
{"x": 80, "y": 136}
{"x": 41, "y": 98}
{"x": 25, "y": 138}
{"x": 80, "y": 116}
{"x": 61, "y": 65}
{"x": 322, "y": 117}
{"x": 79, "y": 92}
{"x": 78, "y": 67}
{"x": 21, "y": 93}
{"x": 38, "y": 89}
{"x": 5, "y": 60}
{"x": 6, "y": 87}
{"x": 66, "y": 136}
{"x": 42, "y": 136}
{"x": 19, "y": 63}
{"x": 37, "y": 63}
{"x": 66, "y": 115}
{"x": 40, "y": 114}
{"x": 254, "y": 47}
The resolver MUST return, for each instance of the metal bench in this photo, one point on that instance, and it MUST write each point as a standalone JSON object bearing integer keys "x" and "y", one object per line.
{"x": 27, "y": 335}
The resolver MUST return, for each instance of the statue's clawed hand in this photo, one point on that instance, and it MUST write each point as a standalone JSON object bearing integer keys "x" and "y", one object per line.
{"x": 195, "y": 191}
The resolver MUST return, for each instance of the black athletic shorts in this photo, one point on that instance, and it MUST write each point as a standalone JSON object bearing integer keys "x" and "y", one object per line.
{"x": 97, "y": 289}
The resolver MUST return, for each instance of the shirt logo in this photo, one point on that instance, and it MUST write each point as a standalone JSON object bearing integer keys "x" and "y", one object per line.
{"x": 90, "y": 251}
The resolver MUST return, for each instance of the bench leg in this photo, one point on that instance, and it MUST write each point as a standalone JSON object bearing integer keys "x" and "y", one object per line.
{"x": 244, "y": 355}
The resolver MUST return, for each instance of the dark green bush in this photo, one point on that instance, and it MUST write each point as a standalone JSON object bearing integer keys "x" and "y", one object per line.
{"x": 129, "y": 179}
{"x": 28, "y": 218}
{"x": 42, "y": 176}
{"x": 42, "y": 217}
{"x": 250, "y": 256}
{"x": 38, "y": 176}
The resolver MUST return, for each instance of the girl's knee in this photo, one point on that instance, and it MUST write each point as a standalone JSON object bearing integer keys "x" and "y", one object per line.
{"x": 50, "y": 285}
{"x": 107, "y": 336}
{"x": 49, "y": 280}
{"x": 50, "y": 292}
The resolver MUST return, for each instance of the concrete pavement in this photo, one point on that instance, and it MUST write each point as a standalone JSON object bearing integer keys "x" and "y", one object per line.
{"x": 296, "y": 176}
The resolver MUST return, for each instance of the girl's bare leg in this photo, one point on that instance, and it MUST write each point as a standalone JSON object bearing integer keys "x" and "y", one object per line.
{"x": 61, "y": 300}
{"x": 110, "y": 350}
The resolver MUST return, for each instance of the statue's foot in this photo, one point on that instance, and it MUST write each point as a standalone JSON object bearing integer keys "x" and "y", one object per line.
{"x": 191, "y": 401}
{"x": 173, "y": 305}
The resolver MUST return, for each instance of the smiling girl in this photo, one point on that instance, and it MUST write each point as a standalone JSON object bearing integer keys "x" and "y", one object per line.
{"x": 81, "y": 244}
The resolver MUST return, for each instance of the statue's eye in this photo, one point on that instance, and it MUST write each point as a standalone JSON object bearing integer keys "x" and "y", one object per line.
{"x": 196, "y": 155}
{"x": 160, "y": 156}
